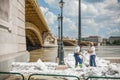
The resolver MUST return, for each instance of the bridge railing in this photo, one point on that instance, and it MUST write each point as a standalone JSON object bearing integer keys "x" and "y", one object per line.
{"x": 13, "y": 73}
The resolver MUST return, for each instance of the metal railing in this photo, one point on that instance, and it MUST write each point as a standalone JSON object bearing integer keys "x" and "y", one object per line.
{"x": 14, "y": 74}
{"x": 29, "y": 78}
{"x": 99, "y": 77}
{"x": 55, "y": 75}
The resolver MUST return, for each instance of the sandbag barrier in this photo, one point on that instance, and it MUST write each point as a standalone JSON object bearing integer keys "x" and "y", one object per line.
{"x": 22, "y": 76}
{"x": 99, "y": 77}
{"x": 29, "y": 78}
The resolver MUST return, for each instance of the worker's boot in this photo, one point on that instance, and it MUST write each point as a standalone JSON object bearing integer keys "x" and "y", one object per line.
{"x": 80, "y": 65}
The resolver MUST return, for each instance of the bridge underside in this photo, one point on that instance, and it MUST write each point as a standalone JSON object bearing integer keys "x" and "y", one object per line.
{"x": 36, "y": 25}
{"x": 32, "y": 40}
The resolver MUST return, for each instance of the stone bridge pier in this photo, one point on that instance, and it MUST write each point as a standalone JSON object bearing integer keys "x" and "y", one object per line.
{"x": 20, "y": 21}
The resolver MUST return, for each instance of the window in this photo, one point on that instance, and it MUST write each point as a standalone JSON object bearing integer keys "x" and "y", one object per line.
{"x": 4, "y": 10}
{"x": 5, "y": 15}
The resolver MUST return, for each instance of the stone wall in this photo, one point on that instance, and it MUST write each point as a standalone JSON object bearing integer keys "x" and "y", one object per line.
{"x": 12, "y": 34}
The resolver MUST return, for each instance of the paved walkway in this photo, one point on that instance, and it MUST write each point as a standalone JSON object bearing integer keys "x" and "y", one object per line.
{"x": 112, "y": 59}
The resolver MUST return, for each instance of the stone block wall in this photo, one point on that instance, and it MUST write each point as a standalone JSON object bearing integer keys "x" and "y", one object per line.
{"x": 12, "y": 33}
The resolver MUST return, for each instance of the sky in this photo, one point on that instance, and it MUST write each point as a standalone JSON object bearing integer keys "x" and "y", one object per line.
{"x": 98, "y": 17}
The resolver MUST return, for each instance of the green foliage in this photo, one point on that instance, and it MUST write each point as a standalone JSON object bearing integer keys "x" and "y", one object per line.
{"x": 116, "y": 42}
{"x": 107, "y": 42}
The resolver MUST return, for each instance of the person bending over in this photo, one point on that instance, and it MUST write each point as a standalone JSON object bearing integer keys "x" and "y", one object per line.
{"x": 78, "y": 59}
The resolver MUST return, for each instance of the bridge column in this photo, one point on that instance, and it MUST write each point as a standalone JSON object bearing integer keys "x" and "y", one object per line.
{"x": 12, "y": 33}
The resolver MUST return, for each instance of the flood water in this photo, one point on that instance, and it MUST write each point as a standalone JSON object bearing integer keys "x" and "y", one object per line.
{"x": 50, "y": 54}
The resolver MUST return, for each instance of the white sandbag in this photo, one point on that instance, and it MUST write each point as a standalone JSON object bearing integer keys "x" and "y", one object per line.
{"x": 16, "y": 66}
{"x": 51, "y": 65}
{"x": 113, "y": 67}
{"x": 70, "y": 61}
{"x": 70, "y": 64}
{"x": 94, "y": 71}
{"x": 41, "y": 65}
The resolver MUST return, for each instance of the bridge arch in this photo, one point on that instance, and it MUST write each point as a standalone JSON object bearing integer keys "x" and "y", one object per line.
{"x": 30, "y": 39}
{"x": 32, "y": 28}
{"x": 36, "y": 25}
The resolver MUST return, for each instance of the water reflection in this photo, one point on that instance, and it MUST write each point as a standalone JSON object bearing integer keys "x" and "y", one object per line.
{"x": 50, "y": 54}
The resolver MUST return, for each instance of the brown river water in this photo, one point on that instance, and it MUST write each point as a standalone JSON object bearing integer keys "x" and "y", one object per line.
{"x": 50, "y": 54}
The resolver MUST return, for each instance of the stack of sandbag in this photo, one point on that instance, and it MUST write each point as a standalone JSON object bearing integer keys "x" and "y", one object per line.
{"x": 104, "y": 67}
{"x": 33, "y": 67}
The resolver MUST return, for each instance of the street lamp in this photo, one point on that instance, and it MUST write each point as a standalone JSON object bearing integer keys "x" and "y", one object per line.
{"x": 59, "y": 19}
{"x": 79, "y": 23}
{"x": 61, "y": 56}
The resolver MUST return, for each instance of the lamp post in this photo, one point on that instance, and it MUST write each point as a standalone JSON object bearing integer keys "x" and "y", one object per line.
{"x": 61, "y": 56}
{"x": 79, "y": 23}
{"x": 59, "y": 19}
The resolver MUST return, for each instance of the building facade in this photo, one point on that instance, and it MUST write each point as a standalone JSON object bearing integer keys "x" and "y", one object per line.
{"x": 50, "y": 41}
{"x": 97, "y": 39}
{"x": 12, "y": 33}
{"x": 114, "y": 38}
